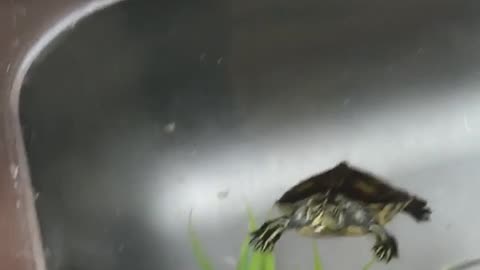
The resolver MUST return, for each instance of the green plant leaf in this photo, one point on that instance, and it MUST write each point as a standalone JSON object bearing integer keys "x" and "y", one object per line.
{"x": 202, "y": 259}
{"x": 251, "y": 219}
{"x": 256, "y": 261}
{"x": 250, "y": 260}
{"x": 369, "y": 265}
{"x": 317, "y": 263}
{"x": 269, "y": 261}
{"x": 259, "y": 260}
{"x": 243, "y": 259}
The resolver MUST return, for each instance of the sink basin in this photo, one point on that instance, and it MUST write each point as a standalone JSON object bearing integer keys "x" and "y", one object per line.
{"x": 144, "y": 112}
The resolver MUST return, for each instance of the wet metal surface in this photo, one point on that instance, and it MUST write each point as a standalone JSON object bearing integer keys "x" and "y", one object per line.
{"x": 23, "y": 26}
{"x": 144, "y": 112}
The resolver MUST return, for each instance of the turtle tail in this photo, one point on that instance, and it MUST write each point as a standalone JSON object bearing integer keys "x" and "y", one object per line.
{"x": 418, "y": 209}
{"x": 264, "y": 238}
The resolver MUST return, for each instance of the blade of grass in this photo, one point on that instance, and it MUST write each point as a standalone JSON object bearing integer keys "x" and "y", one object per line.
{"x": 251, "y": 219}
{"x": 464, "y": 264}
{"x": 243, "y": 259}
{"x": 202, "y": 259}
{"x": 256, "y": 262}
{"x": 369, "y": 265}
{"x": 269, "y": 261}
{"x": 317, "y": 263}
{"x": 259, "y": 261}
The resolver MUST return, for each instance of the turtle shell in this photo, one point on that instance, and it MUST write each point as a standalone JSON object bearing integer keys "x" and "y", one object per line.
{"x": 348, "y": 181}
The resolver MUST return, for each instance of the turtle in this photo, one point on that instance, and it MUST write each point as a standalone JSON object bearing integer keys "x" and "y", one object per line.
{"x": 342, "y": 201}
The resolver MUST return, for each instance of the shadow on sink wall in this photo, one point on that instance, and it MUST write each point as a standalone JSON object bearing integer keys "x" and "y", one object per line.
{"x": 145, "y": 110}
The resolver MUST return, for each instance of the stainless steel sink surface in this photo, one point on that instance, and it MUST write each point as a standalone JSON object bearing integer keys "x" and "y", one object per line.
{"x": 147, "y": 110}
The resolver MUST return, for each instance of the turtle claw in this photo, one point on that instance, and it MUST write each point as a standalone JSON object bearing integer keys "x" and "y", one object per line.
{"x": 386, "y": 250}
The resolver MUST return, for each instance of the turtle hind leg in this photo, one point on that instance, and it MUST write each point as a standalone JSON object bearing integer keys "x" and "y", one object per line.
{"x": 385, "y": 247}
{"x": 418, "y": 209}
{"x": 264, "y": 238}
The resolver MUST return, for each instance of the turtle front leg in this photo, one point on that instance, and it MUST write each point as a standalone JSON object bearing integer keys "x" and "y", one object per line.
{"x": 264, "y": 238}
{"x": 385, "y": 247}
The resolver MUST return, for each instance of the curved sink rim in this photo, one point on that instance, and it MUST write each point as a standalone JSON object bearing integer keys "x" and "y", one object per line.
{"x": 23, "y": 228}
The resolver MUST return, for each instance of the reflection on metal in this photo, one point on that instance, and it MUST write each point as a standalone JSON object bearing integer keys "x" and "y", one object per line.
{"x": 465, "y": 265}
{"x": 300, "y": 85}
{"x": 39, "y": 46}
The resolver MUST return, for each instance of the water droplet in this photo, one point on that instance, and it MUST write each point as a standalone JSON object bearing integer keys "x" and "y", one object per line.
{"x": 48, "y": 252}
{"x": 466, "y": 124}
{"x": 120, "y": 248}
{"x": 230, "y": 260}
{"x": 170, "y": 127}
{"x": 15, "y": 43}
{"x": 223, "y": 194}
{"x": 14, "y": 170}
